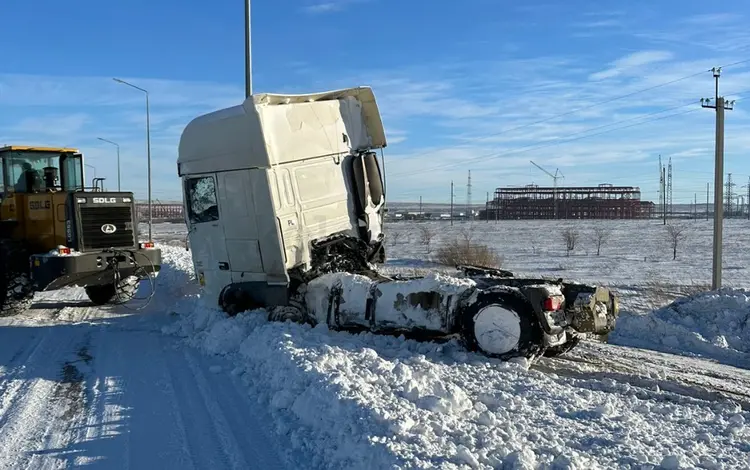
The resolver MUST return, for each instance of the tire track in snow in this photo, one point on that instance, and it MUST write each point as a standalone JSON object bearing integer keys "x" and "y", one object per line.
{"x": 105, "y": 412}
{"x": 11, "y": 384}
{"x": 72, "y": 400}
{"x": 29, "y": 416}
{"x": 628, "y": 368}
{"x": 224, "y": 399}
{"x": 204, "y": 434}
{"x": 157, "y": 432}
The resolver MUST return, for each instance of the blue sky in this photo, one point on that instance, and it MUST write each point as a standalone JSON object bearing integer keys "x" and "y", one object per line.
{"x": 461, "y": 85}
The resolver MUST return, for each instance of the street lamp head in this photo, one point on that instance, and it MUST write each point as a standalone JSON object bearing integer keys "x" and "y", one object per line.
{"x": 130, "y": 85}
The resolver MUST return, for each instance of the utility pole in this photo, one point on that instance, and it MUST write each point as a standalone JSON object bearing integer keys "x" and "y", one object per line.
{"x": 695, "y": 206}
{"x": 468, "y": 199}
{"x": 664, "y": 195}
{"x": 748, "y": 198}
{"x": 421, "y": 214}
{"x": 720, "y": 106}
{"x": 451, "y": 203}
{"x": 707, "y": 193}
{"x": 661, "y": 186}
{"x": 670, "y": 208}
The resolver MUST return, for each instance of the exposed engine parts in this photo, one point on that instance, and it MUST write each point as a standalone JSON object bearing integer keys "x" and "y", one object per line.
{"x": 489, "y": 310}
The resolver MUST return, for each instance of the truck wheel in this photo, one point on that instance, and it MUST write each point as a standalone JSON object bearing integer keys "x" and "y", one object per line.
{"x": 554, "y": 351}
{"x": 16, "y": 295}
{"x": 16, "y": 291}
{"x": 113, "y": 294}
{"x": 502, "y": 325}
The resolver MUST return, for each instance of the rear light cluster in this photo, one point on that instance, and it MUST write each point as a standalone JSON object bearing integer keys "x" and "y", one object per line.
{"x": 552, "y": 304}
{"x": 144, "y": 245}
{"x": 64, "y": 250}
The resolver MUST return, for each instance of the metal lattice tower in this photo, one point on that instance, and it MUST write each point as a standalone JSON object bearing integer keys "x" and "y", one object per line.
{"x": 729, "y": 195}
{"x": 669, "y": 188}
{"x": 661, "y": 185}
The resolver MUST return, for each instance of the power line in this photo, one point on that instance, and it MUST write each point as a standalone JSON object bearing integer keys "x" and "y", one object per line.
{"x": 559, "y": 141}
{"x": 584, "y": 108}
{"x": 733, "y": 64}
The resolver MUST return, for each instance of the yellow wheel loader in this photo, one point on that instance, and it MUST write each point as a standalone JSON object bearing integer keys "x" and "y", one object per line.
{"x": 55, "y": 232}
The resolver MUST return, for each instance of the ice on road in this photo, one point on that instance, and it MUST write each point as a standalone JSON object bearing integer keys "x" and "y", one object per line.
{"x": 81, "y": 386}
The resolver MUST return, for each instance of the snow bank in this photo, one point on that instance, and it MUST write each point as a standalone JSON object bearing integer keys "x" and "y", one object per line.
{"x": 369, "y": 401}
{"x": 174, "y": 289}
{"x": 714, "y": 324}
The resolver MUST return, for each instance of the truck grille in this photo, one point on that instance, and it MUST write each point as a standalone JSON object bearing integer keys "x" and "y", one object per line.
{"x": 92, "y": 220}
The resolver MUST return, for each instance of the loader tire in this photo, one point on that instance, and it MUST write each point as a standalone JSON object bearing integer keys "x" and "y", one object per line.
{"x": 16, "y": 296}
{"x": 16, "y": 291}
{"x": 554, "y": 351}
{"x": 502, "y": 325}
{"x": 113, "y": 294}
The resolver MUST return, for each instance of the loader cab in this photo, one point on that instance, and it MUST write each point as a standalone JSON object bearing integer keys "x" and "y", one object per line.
{"x": 31, "y": 170}
{"x": 36, "y": 183}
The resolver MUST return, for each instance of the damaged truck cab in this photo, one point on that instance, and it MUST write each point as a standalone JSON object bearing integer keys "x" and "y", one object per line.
{"x": 284, "y": 201}
{"x": 268, "y": 182}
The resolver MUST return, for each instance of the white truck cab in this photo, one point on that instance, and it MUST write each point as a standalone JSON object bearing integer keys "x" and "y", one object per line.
{"x": 268, "y": 182}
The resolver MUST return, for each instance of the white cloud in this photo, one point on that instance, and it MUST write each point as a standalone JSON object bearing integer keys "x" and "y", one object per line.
{"x": 636, "y": 60}
{"x": 442, "y": 118}
{"x": 49, "y": 126}
{"x": 331, "y": 6}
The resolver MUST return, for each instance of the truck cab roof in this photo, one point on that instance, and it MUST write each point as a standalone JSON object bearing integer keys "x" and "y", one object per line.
{"x": 269, "y": 129}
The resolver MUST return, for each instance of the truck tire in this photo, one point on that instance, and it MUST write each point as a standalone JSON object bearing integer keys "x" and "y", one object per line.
{"x": 16, "y": 291}
{"x": 113, "y": 294}
{"x": 502, "y": 325}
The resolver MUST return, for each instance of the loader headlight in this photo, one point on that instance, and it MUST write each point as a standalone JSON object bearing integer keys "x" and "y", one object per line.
{"x": 127, "y": 199}
{"x": 81, "y": 200}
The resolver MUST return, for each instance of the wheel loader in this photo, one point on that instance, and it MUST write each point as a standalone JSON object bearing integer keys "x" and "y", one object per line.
{"x": 55, "y": 232}
{"x": 284, "y": 199}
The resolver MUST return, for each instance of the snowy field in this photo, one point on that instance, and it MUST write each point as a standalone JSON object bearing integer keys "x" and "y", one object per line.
{"x": 635, "y": 260}
{"x": 180, "y": 385}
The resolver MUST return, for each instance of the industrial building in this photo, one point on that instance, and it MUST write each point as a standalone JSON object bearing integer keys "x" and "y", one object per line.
{"x": 596, "y": 202}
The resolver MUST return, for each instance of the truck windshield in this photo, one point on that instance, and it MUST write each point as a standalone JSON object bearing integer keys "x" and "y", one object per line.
{"x": 30, "y": 171}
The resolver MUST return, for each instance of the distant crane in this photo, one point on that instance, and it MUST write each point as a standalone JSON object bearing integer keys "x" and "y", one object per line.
{"x": 554, "y": 179}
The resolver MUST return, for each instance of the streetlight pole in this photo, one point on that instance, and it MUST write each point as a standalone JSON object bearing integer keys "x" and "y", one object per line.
{"x": 91, "y": 166}
{"x": 118, "y": 160}
{"x": 148, "y": 151}
{"x": 248, "y": 53}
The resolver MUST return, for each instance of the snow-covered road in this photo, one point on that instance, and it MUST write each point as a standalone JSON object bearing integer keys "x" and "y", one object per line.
{"x": 180, "y": 385}
{"x": 85, "y": 386}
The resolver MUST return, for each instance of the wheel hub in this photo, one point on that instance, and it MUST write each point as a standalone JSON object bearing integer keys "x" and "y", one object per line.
{"x": 497, "y": 329}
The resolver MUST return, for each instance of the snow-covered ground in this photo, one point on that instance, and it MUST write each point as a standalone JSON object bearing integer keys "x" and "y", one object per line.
{"x": 179, "y": 385}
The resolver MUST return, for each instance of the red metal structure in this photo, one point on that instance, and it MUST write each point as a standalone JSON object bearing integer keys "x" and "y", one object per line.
{"x": 595, "y": 202}
{"x": 161, "y": 212}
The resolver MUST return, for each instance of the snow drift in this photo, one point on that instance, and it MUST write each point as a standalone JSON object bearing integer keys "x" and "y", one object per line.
{"x": 714, "y": 324}
{"x": 369, "y": 401}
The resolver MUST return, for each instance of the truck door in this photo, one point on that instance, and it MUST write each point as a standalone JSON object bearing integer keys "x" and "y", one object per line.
{"x": 206, "y": 234}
